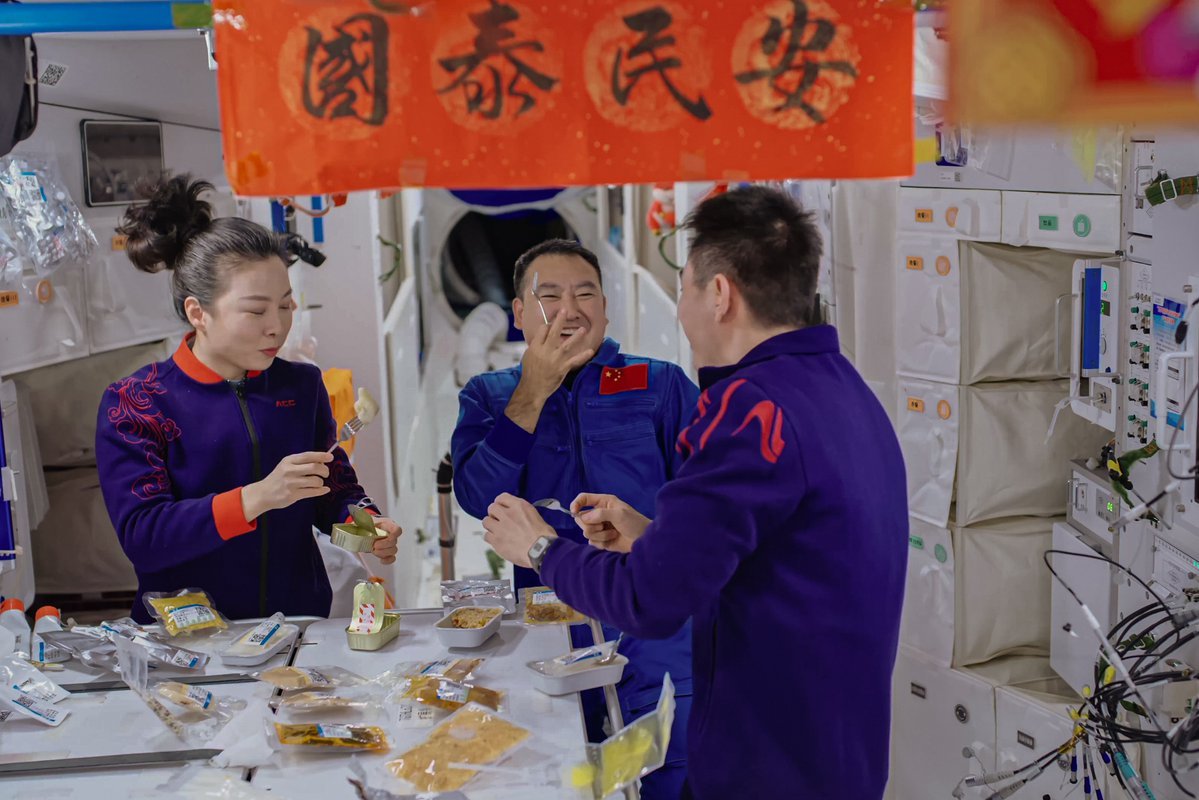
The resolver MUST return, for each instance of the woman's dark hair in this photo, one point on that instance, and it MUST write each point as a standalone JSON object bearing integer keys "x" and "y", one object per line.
{"x": 175, "y": 230}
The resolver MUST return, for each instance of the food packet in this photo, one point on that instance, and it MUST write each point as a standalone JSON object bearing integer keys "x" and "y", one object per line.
{"x": 456, "y": 594}
{"x": 185, "y": 612}
{"x": 89, "y": 646}
{"x": 311, "y": 702}
{"x": 456, "y": 669}
{"x": 193, "y": 727}
{"x": 18, "y": 674}
{"x": 332, "y": 737}
{"x": 197, "y": 698}
{"x": 542, "y": 607}
{"x": 295, "y": 679}
{"x": 473, "y": 735}
{"x": 451, "y": 695}
{"x": 632, "y": 753}
{"x": 260, "y": 643}
{"x": 159, "y": 651}
{"x": 473, "y": 618}
{"x": 16, "y": 702}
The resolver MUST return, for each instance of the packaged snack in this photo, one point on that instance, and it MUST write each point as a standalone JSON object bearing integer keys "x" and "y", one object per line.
{"x": 456, "y": 594}
{"x": 450, "y": 695}
{"x": 261, "y": 643}
{"x": 197, "y": 698}
{"x": 293, "y": 679}
{"x": 185, "y": 612}
{"x": 349, "y": 737}
{"x": 474, "y": 735}
{"x": 542, "y": 607}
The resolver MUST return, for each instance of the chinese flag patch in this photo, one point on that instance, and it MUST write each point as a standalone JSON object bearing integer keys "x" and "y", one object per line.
{"x": 628, "y": 379}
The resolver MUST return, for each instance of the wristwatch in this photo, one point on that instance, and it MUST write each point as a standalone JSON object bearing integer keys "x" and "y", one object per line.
{"x": 539, "y": 549}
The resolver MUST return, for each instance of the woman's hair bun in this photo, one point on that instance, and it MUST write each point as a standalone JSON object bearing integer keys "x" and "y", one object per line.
{"x": 159, "y": 229}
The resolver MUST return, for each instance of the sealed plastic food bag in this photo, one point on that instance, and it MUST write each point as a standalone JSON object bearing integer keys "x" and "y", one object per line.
{"x": 194, "y": 727}
{"x": 332, "y": 737}
{"x": 323, "y": 702}
{"x": 295, "y": 679}
{"x": 184, "y": 612}
{"x": 542, "y": 607}
{"x": 265, "y": 640}
{"x": 197, "y": 698}
{"x": 450, "y": 695}
{"x": 92, "y": 649}
{"x": 456, "y": 669}
{"x": 18, "y": 674}
{"x": 166, "y": 654}
{"x": 474, "y": 735}
{"x": 631, "y": 754}
{"x": 44, "y": 221}
{"x": 456, "y": 594}
{"x": 26, "y": 705}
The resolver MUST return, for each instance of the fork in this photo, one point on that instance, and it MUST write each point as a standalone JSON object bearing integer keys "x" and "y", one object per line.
{"x": 553, "y": 505}
{"x": 348, "y": 432}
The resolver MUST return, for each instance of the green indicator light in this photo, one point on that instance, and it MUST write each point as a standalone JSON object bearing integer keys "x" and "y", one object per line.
{"x": 1105, "y": 286}
{"x": 1111, "y": 507}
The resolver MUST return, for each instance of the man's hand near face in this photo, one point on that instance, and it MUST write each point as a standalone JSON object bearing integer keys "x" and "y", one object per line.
{"x": 549, "y": 358}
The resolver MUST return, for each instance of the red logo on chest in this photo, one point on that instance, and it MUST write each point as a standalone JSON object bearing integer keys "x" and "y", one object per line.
{"x": 627, "y": 379}
{"x": 285, "y": 404}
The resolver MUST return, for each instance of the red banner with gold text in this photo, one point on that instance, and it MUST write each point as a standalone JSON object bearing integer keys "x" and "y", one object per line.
{"x": 340, "y": 95}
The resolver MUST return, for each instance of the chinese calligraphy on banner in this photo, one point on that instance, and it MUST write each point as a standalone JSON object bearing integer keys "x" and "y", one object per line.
{"x": 340, "y": 95}
{"x": 1080, "y": 61}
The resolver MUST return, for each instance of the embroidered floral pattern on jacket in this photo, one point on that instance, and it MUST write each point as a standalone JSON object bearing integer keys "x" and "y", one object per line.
{"x": 139, "y": 423}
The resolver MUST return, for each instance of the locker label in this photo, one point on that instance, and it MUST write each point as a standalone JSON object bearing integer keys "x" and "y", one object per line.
{"x": 916, "y": 404}
{"x": 1047, "y": 222}
{"x": 919, "y": 691}
{"x": 1027, "y": 740}
{"x": 119, "y": 242}
{"x": 924, "y": 215}
{"x": 915, "y": 263}
{"x": 9, "y": 299}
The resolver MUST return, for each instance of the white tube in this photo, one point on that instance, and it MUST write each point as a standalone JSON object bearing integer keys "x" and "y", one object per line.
{"x": 480, "y": 328}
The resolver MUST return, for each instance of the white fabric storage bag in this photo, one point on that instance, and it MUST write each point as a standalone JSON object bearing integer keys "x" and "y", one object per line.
{"x": 75, "y": 549}
{"x": 969, "y": 312}
{"x": 1001, "y": 589}
{"x": 981, "y": 449}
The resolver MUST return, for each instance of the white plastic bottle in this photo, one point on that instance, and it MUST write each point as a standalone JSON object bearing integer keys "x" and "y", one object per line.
{"x": 12, "y": 617}
{"x": 48, "y": 618}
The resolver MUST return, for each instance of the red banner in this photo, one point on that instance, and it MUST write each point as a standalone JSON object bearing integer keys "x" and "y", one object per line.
{"x": 338, "y": 95}
{"x": 1084, "y": 61}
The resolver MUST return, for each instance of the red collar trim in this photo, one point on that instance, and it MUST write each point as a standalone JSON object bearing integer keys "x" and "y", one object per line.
{"x": 196, "y": 369}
